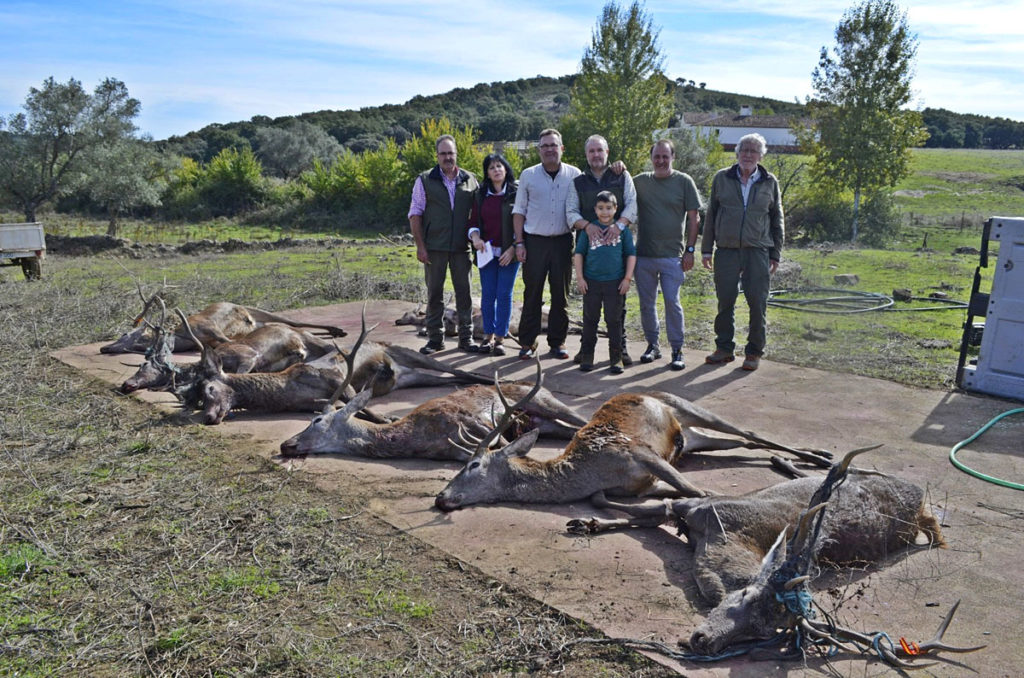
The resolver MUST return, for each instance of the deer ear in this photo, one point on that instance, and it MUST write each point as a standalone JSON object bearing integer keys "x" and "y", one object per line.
{"x": 775, "y": 557}
{"x": 210, "y": 363}
{"x": 357, "y": 403}
{"x": 522, "y": 445}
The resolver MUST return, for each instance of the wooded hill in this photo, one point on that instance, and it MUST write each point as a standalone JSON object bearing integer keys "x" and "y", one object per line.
{"x": 520, "y": 109}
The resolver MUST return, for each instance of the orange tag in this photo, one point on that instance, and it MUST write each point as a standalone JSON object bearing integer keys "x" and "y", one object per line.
{"x": 910, "y": 648}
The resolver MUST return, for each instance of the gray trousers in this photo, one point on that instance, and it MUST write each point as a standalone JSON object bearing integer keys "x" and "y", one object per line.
{"x": 749, "y": 266}
{"x": 435, "y": 274}
{"x": 669, "y": 272}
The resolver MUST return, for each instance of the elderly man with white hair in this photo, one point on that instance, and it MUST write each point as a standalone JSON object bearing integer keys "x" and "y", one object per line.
{"x": 742, "y": 243}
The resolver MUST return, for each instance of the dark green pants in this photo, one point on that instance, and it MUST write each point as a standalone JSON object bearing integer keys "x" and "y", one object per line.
{"x": 434, "y": 275}
{"x": 746, "y": 266}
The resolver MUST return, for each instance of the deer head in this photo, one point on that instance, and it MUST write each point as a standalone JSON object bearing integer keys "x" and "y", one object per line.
{"x": 754, "y": 612}
{"x": 334, "y": 431}
{"x": 483, "y": 479}
{"x": 137, "y": 340}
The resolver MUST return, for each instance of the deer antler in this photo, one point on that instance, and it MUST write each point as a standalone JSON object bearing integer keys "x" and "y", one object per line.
{"x": 350, "y": 360}
{"x": 507, "y": 418}
{"x": 184, "y": 321}
{"x": 839, "y": 636}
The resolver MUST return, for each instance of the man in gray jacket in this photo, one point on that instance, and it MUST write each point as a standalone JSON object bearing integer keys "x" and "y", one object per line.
{"x": 742, "y": 243}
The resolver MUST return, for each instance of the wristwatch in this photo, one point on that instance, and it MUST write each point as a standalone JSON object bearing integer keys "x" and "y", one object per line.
{"x": 690, "y": 249}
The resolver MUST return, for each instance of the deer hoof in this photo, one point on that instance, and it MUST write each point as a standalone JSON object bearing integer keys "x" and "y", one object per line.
{"x": 581, "y": 526}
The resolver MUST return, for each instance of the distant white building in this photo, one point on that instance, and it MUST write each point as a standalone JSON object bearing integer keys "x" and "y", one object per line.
{"x": 729, "y": 128}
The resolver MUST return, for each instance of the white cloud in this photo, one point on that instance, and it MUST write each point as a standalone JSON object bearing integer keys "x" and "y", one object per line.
{"x": 194, "y": 62}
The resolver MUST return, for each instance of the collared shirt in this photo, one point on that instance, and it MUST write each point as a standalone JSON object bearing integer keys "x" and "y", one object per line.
{"x": 745, "y": 187}
{"x": 628, "y": 211}
{"x": 419, "y": 196}
{"x": 541, "y": 199}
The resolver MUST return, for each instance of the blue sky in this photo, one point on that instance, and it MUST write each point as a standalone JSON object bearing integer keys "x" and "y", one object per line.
{"x": 195, "y": 62}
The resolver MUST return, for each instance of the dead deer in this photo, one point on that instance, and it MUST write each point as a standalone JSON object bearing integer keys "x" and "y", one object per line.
{"x": 427, "y": 431}
{"x": 449, "y": 320}
{"x": 313, "y": 386}
{"x": 270, "y": 348}
{"x": 631, "y": 443}
{"x": 740, "y": 562}
{"x": 217, "y": 323}
{"x": 418, "y": 318}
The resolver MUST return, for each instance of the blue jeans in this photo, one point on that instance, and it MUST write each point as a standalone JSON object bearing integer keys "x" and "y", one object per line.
{"x": 496, "y": 283}
{"x": 649, "y": 270}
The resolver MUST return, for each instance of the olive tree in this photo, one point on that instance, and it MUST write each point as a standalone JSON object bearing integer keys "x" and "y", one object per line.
{"x": 621, "y": 91}
{"x": 862, "y": 134}
{"x": 290, "y": 150}
{"x": 43, "y": 150}
{"x": 127, "y": 174}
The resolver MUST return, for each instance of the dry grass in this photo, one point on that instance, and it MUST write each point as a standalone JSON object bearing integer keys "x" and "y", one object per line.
{"x": 134, "y": 544}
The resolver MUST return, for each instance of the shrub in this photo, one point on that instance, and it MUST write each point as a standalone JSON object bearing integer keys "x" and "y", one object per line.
{"x": 233, "y": 182}
{"x": 879, "y": 220}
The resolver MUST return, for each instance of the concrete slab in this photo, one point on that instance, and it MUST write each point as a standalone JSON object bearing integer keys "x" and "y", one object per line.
{"x": 637, "y": 584}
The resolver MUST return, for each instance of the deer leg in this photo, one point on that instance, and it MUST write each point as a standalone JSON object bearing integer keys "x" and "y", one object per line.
{"x": 367, "y": 414}
{"x": 554, "y": 429}
{"x": 664, "y": 471}
{"x": 646, "y": 514}
{"x": 694, "y": 441}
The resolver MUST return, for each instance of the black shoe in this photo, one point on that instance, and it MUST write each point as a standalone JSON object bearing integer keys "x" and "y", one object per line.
{"x": 617, "y": 368}
{"x": 559, "y": 352}
{"x": 627, "y": 359}
{"x": 432, "y": 347}
{"x": 468, "y": 346}
{"x": 651, "y": 354}
{"x": 586, "y": 367}
{"x": 677, "y": 360}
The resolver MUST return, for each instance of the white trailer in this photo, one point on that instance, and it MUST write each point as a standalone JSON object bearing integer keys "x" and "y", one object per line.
{"x": 23, "y": 245}
{"x": 999, "y": 369}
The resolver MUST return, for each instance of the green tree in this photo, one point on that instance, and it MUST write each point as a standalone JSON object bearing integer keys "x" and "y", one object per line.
{"x": 863, "y": 133}
{"x": 126, "y": 174}
{"x": 620, "y": 91}
{"x": 43, "y": 151}
{"x": 290, "y": 150}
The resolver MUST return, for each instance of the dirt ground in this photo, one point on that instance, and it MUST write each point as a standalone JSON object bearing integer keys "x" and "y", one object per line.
{"x": 637, "y": 584}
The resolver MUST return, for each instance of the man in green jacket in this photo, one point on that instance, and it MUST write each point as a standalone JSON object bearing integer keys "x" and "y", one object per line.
{"x": 742, "y": 243}
{"x": 441, "y": 201}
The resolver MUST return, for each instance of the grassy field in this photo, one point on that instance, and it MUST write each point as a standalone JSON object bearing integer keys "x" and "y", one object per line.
{"x": 953, "y": 191}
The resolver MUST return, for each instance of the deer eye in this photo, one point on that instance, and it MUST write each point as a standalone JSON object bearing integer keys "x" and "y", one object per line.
{"x": 473, "y": 465}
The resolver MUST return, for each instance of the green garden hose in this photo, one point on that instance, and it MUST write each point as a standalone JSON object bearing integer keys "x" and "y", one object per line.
{"x": 977, "y": 474}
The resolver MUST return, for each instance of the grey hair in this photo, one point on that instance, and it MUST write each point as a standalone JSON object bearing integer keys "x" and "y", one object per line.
{"x": 550, "y": 132}
{"x": 444, "y": 137}
{"x": 752, "y": 139}
{"x": 596, "y": 137}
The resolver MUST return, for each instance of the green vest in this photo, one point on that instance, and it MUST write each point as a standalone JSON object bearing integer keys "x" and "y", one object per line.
{"x": 587, "y": 188}
{"x": 444, "y": 228}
